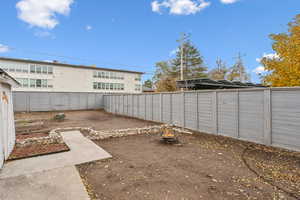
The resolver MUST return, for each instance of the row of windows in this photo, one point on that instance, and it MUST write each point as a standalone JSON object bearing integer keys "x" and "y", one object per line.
{"x": 108, "y": 86}
{"x": 39, "y": 69}
{"x": 35, "y": 83}
{"x": 137, "y": 87}
{"x": 32, "y": 69}
{"x": 108, "y": 75}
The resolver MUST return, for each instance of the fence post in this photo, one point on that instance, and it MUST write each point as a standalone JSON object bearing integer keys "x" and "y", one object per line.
{"x": 160, "y": 107}
{"x": 183, "y": 109}
{"x": 145, "y": 96}
{"x": 152, "y": 107}
{"x": 268, "y": 117}
{"x": 237, "y": 117}
{"x": 197, "y": 104}
{"x": 171, "y": 109}
{"x": 215, "y": 112}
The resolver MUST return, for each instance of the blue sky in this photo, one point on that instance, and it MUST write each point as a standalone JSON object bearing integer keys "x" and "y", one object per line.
{"x": 136, "y": 34}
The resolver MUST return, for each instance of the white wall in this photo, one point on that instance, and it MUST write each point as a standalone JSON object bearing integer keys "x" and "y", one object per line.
{"x": 71, "y": 79}
{"x": 7, "y": 127}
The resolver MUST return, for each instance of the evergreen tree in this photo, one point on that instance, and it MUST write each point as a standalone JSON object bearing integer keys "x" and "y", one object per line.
{"x": 192, "y": 61}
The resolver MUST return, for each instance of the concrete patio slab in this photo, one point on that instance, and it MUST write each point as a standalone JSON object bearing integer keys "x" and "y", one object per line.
{"x": 62, "y": 183}
{"x": 82, "y": 150}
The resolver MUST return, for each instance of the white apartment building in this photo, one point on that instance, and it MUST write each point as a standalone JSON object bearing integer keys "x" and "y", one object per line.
{"x": 59, "y": 77}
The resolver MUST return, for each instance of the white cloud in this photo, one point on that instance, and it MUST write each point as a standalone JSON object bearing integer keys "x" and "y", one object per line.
{"x": 259, "y": 70}
{"x": 44, "y": 34}
{"x": 42, "y": 13}
{"x": 88, "y": 27}
{"x": 268, "y": 56}
{"x": 4, "y": 48}
{"x": 229, "y": 1}
{"x": 180, "y": 7}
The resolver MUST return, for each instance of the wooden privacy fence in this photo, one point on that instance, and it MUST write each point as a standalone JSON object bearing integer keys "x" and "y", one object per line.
{"x": 269, "y": 116}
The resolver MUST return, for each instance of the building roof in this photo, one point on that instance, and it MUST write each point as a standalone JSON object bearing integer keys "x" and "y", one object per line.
{"x": 6, "y": 78}
{"x": 66, "y": 65}
{"x": 205, "y": 83}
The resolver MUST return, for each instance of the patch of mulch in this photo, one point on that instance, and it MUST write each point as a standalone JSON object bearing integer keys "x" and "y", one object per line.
{"x": 32, "y": 135}
{"x": 37, "y": 150}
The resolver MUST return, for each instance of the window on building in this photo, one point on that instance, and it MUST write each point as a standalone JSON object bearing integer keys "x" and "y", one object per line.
{"x": 50, "y": 70}
{"x": 45, "y": 69}
{"x": 38, "y": 83}
{"x": 25, "y": 82}
{"x": 138, "y": 78}
{"x": 18, "y": 68}
{"x": 44, "y": 83}
{"x": 32, "y": 83}
{"x": 11, "y": 69}
{"x": 50, "y": 85}
{"x": 137, "y": 87}
{"x": 32, "y": 68}
{"x": 95, "y": 85}
{"x": 94, "y": 74}
{"x": 38, "y": 69}
{"x": 25, "y": 69}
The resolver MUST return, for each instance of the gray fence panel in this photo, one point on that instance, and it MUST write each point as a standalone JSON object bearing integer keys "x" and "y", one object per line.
{"x": 205, "y": 112}
{"x": 126, "y": 105}
{"x": 156, "y": 107}
{"x": 177, "y": 109}
{"x": 149, "y": 107}
{"x": 135, "y": 106}
{"x": 74, "y": 101}
{"x": 268, "y": 116}
{"x": 142, "y": 110}
{"x": 191, "y": 116}
{"x": 227, "y": 114}
{"x": 251, "y": 116}
{"x": 130, "y": 105}
{"x": 166, "y": 108}
{"x": 286, "y": 119}
{"x": 40, "y": 102}
{"x": 21, "y": 102}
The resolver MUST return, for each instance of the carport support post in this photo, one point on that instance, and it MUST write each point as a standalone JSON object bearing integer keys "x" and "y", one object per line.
{"x": 267, "y": 116}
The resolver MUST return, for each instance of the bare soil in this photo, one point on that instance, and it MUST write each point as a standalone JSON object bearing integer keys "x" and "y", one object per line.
{"x": 200, "y": 167}
{"x": 37, "y": 150}
{"x": 96, "y": 119}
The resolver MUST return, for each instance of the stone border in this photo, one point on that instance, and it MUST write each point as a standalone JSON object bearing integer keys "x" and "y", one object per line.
{"x": 52, "y": 138}
{"x": 55, "y": 136}
{"x": 100, "y": 135}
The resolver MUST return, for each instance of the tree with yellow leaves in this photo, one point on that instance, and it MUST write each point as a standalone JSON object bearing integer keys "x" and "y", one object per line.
{"x": 284, "y": 68}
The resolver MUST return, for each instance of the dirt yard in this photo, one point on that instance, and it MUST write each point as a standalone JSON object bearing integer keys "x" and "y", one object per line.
{"x": 200, "y": 167}
{"x": 96, "y": 119}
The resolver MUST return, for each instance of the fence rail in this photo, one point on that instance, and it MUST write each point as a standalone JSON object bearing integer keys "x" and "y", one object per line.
{"x": 51, "y": 101}
{"x": 269, "y": 116}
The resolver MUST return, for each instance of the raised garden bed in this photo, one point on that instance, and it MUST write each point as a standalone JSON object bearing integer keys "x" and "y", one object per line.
{"x": 37, "y": 150}
{"x": 33, "y": 135}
